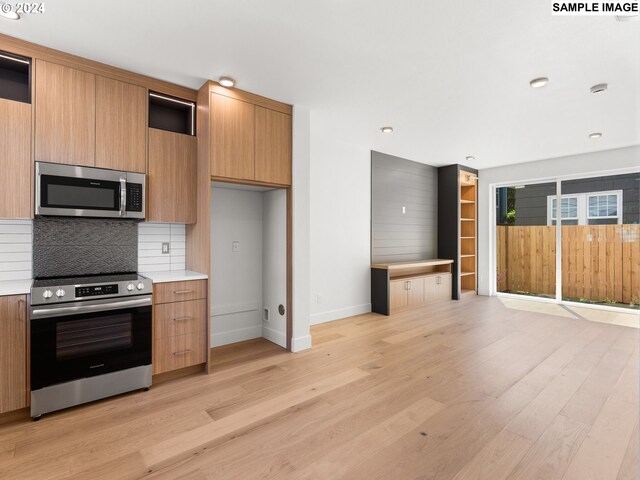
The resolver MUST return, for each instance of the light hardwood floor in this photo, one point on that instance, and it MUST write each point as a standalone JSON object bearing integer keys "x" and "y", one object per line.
{"x": 462, "y": 390}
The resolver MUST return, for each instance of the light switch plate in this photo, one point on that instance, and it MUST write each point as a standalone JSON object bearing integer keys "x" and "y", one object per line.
{"x": 235, "y": 246}
{"x": 165, "y": 247}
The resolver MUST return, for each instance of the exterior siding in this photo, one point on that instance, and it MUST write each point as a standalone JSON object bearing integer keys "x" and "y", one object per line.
{"x": 531, "y": 201}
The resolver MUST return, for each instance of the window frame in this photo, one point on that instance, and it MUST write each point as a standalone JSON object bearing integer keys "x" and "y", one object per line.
{"x": 583, "y": 206}
{"x": 618, "y": 194}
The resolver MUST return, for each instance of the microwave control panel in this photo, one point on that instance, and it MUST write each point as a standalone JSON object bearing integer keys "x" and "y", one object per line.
{"x": 134, "y": 197}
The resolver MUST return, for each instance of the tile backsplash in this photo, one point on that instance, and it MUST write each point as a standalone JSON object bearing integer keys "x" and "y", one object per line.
{"x": 15, "y": 249}
{"x": 69, "y": 246}
{"x": 151, "y": 236}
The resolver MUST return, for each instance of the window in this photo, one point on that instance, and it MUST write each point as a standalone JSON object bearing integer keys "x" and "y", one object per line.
{"x": 591, "y": 208}
{"x": 568, "y": 208}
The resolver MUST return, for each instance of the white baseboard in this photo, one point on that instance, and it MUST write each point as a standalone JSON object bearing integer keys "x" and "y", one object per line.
{"x": 274, "y": 336}
{"x": 301, "y": 343}
{"x": 233, "y": 336}
{"x": 332, "y": 315}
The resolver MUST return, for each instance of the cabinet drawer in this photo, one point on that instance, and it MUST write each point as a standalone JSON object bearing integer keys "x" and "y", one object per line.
{"x": 173, "y": 353}
{"x": 178, "y": 318}
{"x": 179, "y": 291}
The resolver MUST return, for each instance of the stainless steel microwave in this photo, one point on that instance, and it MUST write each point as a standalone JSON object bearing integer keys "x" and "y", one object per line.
{"x": 70, "y": 191}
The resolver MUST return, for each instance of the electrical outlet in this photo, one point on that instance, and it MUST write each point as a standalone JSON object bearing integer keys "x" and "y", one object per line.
{"x": 265, "y": 315}
{"x": 165, "y": 247}
{"x": 318, "y": 298}
{"x": 235, "y": 247}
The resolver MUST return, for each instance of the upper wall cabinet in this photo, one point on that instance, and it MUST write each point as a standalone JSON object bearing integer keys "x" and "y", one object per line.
{"x": 65, "y": 115}
{"x": 249, "y": 137}
{"x": 172, "y": 177}
{"x": 273, "y": 146}
{"x": 15, "y": 136}
{"x": 233, "y": 138}
{"x": 121, "y": 125}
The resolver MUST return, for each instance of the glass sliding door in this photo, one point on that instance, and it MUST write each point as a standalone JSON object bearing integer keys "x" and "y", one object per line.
{"x": 600, "y": 239}
{"x": 526, "y": 239}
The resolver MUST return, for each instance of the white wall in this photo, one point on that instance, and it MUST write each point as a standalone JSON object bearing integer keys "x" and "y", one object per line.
{"x": 301, "y": 200}
{"x": 274, "y": 265}
{"x": 340, "y": 223}
{"x": 16, "y": 240}
{"x": 236, "y": 277}
{"x": 151, "y": 236}
{"x": 587, "y": 163}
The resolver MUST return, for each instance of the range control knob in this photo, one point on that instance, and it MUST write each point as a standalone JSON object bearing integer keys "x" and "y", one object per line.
{"x": 130, "y": 287}
{"x": 60, "y": 293}
{"x": 47, "y": 293}
{"x": 140, "y": 286}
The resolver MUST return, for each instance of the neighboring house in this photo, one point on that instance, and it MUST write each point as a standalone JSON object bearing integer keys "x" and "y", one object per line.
{"x": 590, "y": 201}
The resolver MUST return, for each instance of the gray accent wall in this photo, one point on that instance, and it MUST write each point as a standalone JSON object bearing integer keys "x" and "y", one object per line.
{"x": 398, "y": 182}
{"x": 66, "y": 246}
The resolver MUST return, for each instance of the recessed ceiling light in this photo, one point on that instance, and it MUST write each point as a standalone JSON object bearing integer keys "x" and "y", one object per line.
{"x": 227, "y": 82}
{"x": 470, "y": 158}
{"x": 601, "y": 87}
{"x": 595, "y": 135}
{"x": 6, "y": 11}
{"x": 539, "y": 82}
{"x": 386, "y": 129}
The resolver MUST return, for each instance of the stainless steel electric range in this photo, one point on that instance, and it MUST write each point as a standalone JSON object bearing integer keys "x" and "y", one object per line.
{"x": 90, "y": 339}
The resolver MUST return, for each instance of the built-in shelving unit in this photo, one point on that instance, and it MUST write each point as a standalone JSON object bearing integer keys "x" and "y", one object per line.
{"x": 15, "y": 77}
{"x": 457, "y": 224}
{"x": 468, "y": 230}
{"x": 172, "y": 114}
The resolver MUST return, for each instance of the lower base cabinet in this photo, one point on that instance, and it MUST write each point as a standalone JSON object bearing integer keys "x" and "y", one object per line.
{"x": 412, "y": 292}
{"x": 13, "y": 353}
{"x": 179, "y": 325}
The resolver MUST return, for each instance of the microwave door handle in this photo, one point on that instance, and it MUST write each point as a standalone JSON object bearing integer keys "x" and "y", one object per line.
{"x": 123, "y": 197}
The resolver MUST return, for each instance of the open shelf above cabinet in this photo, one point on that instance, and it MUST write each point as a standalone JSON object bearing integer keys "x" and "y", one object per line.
{"x": 15, "y": 77}
{"x": 172, "y": 114}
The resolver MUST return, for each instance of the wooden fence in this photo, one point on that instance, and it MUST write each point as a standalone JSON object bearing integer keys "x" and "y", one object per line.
{"x": 600, "y": 263}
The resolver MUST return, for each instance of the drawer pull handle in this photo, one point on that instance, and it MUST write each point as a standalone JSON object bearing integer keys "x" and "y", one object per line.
{"x": 182, "y": 319}
{"x": 182, "y": 352}
{"x": 180, "y": 292}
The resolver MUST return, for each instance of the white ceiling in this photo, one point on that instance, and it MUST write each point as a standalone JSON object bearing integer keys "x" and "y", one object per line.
{"x": 452, "y": 77}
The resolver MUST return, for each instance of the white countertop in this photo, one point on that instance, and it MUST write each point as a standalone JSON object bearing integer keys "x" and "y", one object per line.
{"x": 173, "y": 276}
{"x": 15, "y": 287}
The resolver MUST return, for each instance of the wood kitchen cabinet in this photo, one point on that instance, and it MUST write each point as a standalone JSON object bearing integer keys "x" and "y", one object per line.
{"x": 171, "y": 181}
{"x": 13, "y": 353}
{"x": 121, "y": 125}
{"x": 179, "y": 325}
{"x": 272, "y": 146}
{"x": 65, "y": 115}
{"x": 15, "y": 159}
{"x": 250, "y": 137}
{"x": 404, "y": 285}
{"x": 233, "y": 138}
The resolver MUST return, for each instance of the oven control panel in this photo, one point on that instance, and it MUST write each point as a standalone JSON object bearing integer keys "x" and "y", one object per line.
{"x": 94, "y": 291}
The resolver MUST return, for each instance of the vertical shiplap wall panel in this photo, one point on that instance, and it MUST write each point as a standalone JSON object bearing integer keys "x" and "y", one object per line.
{"x": 16, "y": 238}
{"x": 396, "y": 183}
{"x": 151, "y": 236}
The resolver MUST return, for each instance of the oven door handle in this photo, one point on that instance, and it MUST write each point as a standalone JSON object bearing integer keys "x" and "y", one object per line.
{"x": 52, "y": 311}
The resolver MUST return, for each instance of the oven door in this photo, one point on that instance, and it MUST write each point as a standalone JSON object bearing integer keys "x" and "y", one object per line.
{"x": 86, "y": 339}
{"x": 79, "y": 191}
